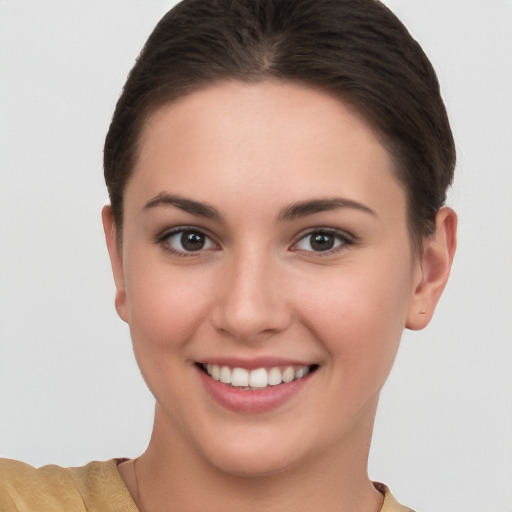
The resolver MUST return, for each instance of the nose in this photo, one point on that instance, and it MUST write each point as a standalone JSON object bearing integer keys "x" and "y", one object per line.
{"x": 252, "y": 303}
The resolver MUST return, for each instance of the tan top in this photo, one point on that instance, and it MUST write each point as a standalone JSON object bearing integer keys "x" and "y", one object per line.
{"x": 96, "y": 487}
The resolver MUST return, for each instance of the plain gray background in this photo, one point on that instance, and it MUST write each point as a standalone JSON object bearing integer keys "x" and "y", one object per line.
{"x": 69, "y": 387}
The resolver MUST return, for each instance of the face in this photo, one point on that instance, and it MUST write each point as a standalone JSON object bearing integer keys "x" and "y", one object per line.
{"x": 265, "y": 244}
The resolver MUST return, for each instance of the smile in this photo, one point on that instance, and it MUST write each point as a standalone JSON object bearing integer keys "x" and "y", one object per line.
{"x": 259, "y": 387}
{"x": 258, "y": 378}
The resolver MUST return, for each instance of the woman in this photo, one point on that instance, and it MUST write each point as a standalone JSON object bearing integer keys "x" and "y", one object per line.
{"x": 277, "y": 171}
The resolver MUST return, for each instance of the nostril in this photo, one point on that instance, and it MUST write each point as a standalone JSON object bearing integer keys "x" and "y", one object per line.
{"x": 251, "y": 320}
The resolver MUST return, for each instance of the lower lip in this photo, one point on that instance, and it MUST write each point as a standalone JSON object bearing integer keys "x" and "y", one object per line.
{"x": 252, "y": 401}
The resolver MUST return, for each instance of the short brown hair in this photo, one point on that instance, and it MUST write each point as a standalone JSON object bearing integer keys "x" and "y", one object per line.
{"x": 357, "y": 50}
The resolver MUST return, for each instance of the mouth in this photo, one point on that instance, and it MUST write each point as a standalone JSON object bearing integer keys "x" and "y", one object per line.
{"x": 258, "y": 378}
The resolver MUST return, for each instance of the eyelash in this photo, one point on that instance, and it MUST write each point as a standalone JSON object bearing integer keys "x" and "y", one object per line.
{"x": 339, "y": 238}
{"x": 163, "y": 240}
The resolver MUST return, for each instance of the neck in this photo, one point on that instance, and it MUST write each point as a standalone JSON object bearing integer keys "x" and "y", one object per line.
{"x": 171, "y": 476}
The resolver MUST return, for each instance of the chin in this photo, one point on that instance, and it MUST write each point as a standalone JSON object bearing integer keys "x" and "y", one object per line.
{"x": 254, "y": 463}
{"x": 252, "y": 452}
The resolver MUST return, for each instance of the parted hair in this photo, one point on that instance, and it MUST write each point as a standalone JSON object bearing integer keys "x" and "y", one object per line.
{"x": 356, "y": 50}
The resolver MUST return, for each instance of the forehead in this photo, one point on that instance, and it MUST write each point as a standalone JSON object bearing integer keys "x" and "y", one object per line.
{"x": 270, "y": 101}
{"x": 234, "y": 137}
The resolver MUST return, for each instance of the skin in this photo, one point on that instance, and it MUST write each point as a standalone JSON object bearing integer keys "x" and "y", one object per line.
{"x": 259, "y": 288}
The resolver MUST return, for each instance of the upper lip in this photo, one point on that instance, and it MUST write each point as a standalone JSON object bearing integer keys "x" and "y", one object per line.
{"x": 254, "y": 363}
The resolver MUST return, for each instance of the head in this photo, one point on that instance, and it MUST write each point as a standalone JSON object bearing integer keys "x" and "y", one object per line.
{"x": 277, "y": 170}
{"x": 355, "y": 50}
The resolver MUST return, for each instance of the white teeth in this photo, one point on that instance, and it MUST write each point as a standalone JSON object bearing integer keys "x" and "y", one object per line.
{"x": 256, "y": 379}
{"x": 240, "y": 377}
{"x": 301, "y": 372}
{"x": 225, "y": 375}
{"x": 274, "y": 376}
{"x": 288, "y": 374}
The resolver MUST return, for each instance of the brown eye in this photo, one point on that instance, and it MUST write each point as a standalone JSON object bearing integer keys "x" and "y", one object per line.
{"x": 192, "y": 241}
{"x": 185, "y": 241}
{"x": 322, "y": 241}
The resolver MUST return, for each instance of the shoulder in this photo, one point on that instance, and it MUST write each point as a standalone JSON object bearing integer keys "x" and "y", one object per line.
{"x": 24, "y": 488}
{"x": 94, "y": 487}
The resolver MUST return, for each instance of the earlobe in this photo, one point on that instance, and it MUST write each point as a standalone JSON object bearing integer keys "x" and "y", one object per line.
{"x": 116, "y": 260}
{"x": 435, "y": 264}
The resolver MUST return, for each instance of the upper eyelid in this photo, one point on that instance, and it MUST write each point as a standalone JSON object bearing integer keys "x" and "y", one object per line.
{"x": 348, "y": 240}
{"x": 162, "y": 240}
{"x": 324, "y": 229}
{"x": 165, "y": 233}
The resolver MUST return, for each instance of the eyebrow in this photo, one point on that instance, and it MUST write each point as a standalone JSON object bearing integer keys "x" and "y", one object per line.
{"x": 187, "y": 205}
{"x": 305, "y": 208}
{"x": 290, "y": 212}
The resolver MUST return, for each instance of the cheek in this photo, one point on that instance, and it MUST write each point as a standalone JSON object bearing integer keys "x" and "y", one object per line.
{"x": 359, "y": 317}
{"x": 166, "y": 311}
{"x": 166, "y": 306}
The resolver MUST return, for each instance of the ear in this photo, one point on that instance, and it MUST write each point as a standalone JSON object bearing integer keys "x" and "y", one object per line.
{"x": 433, "y": 269}
{"x": 116, "y": 260}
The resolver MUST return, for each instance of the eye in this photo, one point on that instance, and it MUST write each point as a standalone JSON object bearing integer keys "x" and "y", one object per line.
{"x": 322, "y": 240}
{"x": 185, "y": 241}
